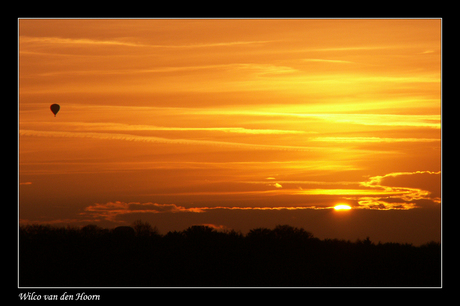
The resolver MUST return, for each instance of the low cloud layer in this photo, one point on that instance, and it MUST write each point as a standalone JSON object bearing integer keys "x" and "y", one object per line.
{"x": 110, "y": 210}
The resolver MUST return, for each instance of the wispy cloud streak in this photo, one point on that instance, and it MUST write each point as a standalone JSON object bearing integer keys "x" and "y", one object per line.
{"x": 372, "y": 139}
{"x": 431, "y": 121}
{"x": 87, "y": 41}
{"x": 341, "y": 116}
{"x": 129, "y": 137}
{"x": 112, "y": 126}
{"x": 319, "y": 60}
{"x": 75, "y": 41}
{"x": 293, "y": 191}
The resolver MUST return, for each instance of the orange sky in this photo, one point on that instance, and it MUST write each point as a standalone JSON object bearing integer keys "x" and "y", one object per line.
{"x": 234, "y": 123}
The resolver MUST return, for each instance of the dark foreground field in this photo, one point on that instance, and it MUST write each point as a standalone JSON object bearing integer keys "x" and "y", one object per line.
{"x": 200, "y": 256}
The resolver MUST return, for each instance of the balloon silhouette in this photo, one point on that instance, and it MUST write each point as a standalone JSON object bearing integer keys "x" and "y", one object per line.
{"x": 55, "y": 108}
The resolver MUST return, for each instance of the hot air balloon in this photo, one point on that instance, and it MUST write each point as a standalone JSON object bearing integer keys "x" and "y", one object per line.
{"x": 55, "y": 108}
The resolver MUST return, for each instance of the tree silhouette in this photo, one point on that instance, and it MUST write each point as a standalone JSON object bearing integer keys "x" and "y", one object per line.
{"x": 260, "y": 233}
{"x": 199, "y": 232}
{"x": 201, "y": 256}
{"x": 144, "y": 229}
{"x": 289, "y": 232}
{"x": 124, "y": 232}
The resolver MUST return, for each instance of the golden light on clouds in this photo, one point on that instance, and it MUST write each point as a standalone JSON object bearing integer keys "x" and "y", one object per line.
{"x": 263, "y": 115}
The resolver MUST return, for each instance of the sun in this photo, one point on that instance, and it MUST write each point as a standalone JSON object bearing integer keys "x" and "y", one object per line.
{"x": 342, "y": 207}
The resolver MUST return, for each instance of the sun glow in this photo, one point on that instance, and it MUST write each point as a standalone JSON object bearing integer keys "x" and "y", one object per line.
{"x": 342, "y": 207}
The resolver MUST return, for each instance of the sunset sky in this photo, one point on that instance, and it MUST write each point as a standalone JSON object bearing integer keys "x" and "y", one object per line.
{"x": 233, "y": 123}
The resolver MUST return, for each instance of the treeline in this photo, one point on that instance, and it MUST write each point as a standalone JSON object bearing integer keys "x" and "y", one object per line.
{"x": 139, "y": 256}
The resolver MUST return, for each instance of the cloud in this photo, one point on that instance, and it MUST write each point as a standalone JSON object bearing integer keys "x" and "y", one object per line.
{"x": 257, "y": 69}
{"x": 404, "y": 190}
{"x": 383, "y": 204}
{"x": 265, "y": 208}
{"x": 130, "y": 137}
{"x": 326, "y": 61}
{"x": 214, "y": 226}
{"x": 85, "y": 41}
{"x": 111, "y": 126}
{"x": 276, "y": 185}
{"x": 217, "y": 44}
{"x": 356, "y": 48}
{"x": 279, "y": 191}
{"x": 373, "y": 139}
{"x": 75, "y": 41}
{"x": 110, "y": 210}
{"x": 55, "y": 221}
{"x": 158, "y": 208}
{"x": 429, "y": 121}
{"x": 265, "y": 69}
